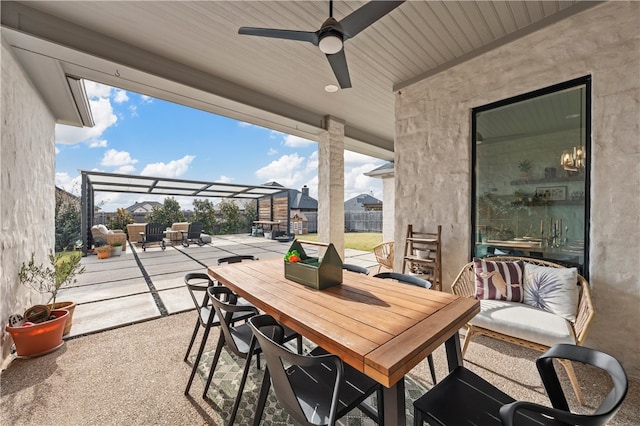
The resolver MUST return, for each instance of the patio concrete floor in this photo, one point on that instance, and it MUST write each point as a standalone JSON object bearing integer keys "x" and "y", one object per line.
{"x": 135, "y": 374}
{"x": 144, "y": 285}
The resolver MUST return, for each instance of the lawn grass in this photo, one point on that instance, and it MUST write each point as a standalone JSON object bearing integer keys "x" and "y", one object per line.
{"x": 364, "y": 241}
{"x": 66, "y": 254}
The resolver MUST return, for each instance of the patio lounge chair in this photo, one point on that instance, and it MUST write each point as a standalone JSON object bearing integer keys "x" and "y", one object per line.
{"x": 153, "y": 233}
{"x": 193, "y": 234}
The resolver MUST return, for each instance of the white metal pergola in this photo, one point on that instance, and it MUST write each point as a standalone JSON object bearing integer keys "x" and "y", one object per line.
{"x": 93, "y": 182}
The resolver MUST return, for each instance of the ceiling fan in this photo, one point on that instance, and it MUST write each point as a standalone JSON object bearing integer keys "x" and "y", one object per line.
{"x": 332, "y": 34}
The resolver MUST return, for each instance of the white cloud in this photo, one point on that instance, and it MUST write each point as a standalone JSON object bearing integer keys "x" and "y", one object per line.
{"x": 69, "y": 184}
{"x": 225, "y": 179}
{"x": 296, "y": 142}
{"x": 355, "y": 182}
{"x": 272, "y": 151}
{"x": 96, "y": 90}
{"x": 120, "y": 96}
{"x": 312, "y": 162}
{"x": 103, "y": 118}
{"x": 102, "y": 143}
{"x": 126, "y": 170}
{"x": 294, "y": 171}
{"x": 113, "y": 158}
{"x": 174, "y": 168}
{"x": 274, "y": 134}
{"x": 134, "y": 110}
{"x": 287, "y": 170}
{"x": 146, "y": 99}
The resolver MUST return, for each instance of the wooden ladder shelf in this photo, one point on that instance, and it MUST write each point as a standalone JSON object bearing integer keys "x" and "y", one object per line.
{"x": 423, "y": 255}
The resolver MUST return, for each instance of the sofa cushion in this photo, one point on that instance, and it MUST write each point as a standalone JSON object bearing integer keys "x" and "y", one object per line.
{"x": 499, "y": 280}
{"x": 180, "y": 226}
{"x": 103, "y": 229}
{"x": 552, "y": 289}
{"x": 524, "y": 322}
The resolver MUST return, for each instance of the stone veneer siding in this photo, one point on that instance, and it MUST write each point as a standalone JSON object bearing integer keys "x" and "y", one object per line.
{"x": 433, "y": 149}
{"x": 27, "y": 199}
{"x": 331, "y": 185}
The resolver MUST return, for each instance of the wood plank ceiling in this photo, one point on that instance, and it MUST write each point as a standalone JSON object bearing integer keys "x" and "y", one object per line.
{"x": 415, "y": 40}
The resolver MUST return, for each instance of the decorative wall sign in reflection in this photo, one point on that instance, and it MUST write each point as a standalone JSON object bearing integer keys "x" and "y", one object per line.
{"x": 552, "y": 193}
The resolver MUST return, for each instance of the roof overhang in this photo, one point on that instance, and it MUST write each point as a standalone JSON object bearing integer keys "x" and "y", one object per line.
{"x": 113, "y": 182}
{"x": 385, "y": 171}
{"x": 62, "y": 92}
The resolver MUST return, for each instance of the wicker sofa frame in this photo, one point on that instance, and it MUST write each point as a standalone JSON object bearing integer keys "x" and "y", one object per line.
{"x": 464, "y": 285}
{"x": 118, "y": 236}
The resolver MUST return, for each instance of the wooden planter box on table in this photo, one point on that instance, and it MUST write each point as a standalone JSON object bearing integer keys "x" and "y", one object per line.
{"x": 318, "y": 273}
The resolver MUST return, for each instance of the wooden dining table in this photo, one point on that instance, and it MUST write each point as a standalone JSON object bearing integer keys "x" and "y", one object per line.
{"x": 380, "y": 327}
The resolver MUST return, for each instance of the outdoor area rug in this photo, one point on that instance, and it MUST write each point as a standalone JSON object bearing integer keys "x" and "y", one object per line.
{"x": 224, "y": 387}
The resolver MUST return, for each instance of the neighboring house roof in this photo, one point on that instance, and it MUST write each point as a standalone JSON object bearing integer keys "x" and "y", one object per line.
{"x": 386, "y": 170}
{"x": 300, "y": 200}
{"x": 361, "y": 202}
{"x": 143, "y": 207}
{"x": 66, "y": 193}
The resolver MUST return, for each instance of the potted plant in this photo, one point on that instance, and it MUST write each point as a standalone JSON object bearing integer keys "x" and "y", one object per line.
{"x": 103, "y": 252}
{"x": 525, "y": 167}
{"x": 116, "y": 248}
{"x": 45, "y": 324}
{"x": 61, "y": 271}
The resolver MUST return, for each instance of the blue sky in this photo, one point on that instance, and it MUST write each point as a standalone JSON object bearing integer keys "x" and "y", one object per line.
{"x": 139, "y": 135}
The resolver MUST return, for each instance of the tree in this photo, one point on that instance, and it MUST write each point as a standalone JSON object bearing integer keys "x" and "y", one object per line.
{"x": 204, "y": 212}
{"x": 167, "y": 214}
{"x": 121, "y": 219}
{"x": 232, "y": 220}
{"x": 67, "y": 220}
{"x": 250, "y": 212}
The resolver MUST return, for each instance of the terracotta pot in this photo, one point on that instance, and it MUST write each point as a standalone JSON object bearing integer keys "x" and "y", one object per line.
{"x": 69, "y": 306}
{"x": 39, "y": 339}
{"x": 104, "y": 254}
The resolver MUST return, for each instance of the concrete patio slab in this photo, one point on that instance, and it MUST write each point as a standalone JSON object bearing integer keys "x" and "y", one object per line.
{"x": 183, "y": 265}
{"x": 103, "y": 291}
{"x": 91, "y": 277}
{"x": 113, "y": 292}
{"x": 164, "y": 282}
{"x": 177, "y": 300}
{"x": 89, "y": 317}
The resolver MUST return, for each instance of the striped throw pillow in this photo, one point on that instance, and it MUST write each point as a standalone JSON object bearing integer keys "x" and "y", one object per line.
{"x": 499, "y": 280}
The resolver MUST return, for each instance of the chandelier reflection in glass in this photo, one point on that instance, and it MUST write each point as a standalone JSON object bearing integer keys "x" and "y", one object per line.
{"x": 573, "y": 161}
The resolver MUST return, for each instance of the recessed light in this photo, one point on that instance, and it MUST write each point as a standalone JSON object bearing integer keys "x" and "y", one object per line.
{"x": 331, "y": 88}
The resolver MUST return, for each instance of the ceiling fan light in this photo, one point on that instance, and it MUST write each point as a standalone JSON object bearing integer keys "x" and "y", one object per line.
{"x": 330, "y": 44}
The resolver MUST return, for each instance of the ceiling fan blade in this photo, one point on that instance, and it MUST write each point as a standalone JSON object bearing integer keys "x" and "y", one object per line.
{"x": 308, "y": 36}
{"x": 338, "y": 62}
{"x": 361, "y": 18}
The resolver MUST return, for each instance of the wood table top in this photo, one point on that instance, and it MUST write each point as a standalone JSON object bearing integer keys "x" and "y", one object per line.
{"x": 380, "y": 327}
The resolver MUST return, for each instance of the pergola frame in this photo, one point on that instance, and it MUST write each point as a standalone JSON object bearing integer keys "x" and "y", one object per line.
{"x": 93, "y": 182}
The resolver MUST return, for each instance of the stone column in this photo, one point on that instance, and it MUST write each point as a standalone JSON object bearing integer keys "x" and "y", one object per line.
{"x": 331, "y": 184}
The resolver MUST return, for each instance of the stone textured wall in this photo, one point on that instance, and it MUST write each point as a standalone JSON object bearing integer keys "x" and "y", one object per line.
{"x": 433, "y": 148}
{"x": 331, "y": 185}
{"x": 27, "y": 198}
{"x": 388, "y": 208}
